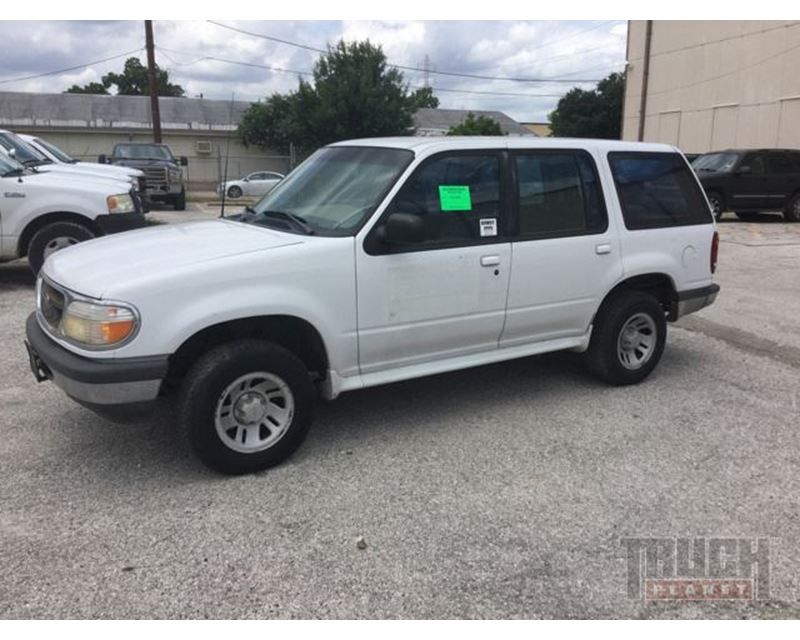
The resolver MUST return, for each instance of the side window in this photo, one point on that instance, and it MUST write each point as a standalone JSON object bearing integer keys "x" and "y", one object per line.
{"x": 558, "y": 194}
{"x": 256, "y": 176}
{"x": 452, "y": 194}
{"x": 756, "y": 163}
{"x": 779, "y": 162}
{"x": 657, "y": 190}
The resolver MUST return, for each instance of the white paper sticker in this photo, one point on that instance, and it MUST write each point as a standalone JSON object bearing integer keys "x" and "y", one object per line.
{"x": 488, "y": 227}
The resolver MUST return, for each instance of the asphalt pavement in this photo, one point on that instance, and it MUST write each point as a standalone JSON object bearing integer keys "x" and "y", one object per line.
{"x": 502, "y": 491}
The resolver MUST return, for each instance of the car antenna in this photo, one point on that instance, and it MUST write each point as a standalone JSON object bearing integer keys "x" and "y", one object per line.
{"x": 227, "y": 155}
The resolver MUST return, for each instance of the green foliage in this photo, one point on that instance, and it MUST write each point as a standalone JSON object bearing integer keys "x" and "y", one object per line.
{"x": 132, "y": 82}
{"x": 480, "y": 126}
{"x": 354, "y": 94}
{"x": 92, "y": 87}
{"x": 423, "y": 98}
{"x": 591, "y": 114}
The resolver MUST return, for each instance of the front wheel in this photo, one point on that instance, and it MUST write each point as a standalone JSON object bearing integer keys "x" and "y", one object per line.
{"x": 717, "y": 205}
{"x": 246, "y": 406}
{"x": 180, "y": 201}
{"x": 54, "y": 237}
{"x": 627, "y": 339}
{"x": 235, "y": 192}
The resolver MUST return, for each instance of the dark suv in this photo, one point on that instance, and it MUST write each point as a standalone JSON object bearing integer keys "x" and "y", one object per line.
{"x": 751, "y": 181}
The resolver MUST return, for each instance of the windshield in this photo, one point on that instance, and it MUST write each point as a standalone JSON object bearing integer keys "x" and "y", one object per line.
{"x": 143, "y": 152}
{"x": 58, "y": 153}
{"x": 335, "y": 189}
{"x": 721, "y": 162}
{"x": 25, "y": 153}
{"x": 9, "y": 165}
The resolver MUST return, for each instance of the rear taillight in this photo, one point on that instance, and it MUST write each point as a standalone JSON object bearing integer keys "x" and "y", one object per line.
{"x": 714, "y": 251}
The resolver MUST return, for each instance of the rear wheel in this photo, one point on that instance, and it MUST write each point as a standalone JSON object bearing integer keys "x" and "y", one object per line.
{"x": 628, "y": 338}
{"x": 792, "y": 212}
{"x": 246, "y": 405}
{"x": 54, "y": 237}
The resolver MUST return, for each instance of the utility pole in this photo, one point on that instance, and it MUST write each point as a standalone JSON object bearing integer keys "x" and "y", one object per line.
{"x": 155, "y": 113}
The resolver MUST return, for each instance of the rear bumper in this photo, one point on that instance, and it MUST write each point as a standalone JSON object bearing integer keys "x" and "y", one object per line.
{"x": 117, "y": 222}
{"x": 694, "y": 300}
{"x": 93, "y": 382}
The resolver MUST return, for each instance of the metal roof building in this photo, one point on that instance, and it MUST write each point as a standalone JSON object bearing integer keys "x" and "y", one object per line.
{"x": 436, "y": 122}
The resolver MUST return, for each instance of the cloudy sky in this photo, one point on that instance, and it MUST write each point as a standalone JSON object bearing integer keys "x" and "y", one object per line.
{"x": 209, "y": 59}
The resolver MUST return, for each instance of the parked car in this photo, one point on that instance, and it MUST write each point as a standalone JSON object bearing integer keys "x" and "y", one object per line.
{"x": 14, "y": 145}
{"x": 162, "y": 170}
{"x": 751, "y": 181}
{"x": 44, "y": 212}
{"x": 376, "y": 261}
{"x": 257, "y": 184}
{"x": 59, "y": 157}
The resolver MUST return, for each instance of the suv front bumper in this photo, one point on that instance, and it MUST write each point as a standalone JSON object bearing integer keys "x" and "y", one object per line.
{"x": 95, "y": 383}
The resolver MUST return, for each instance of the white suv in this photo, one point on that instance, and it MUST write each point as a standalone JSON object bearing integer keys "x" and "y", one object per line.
{"x": 376, "y": 261}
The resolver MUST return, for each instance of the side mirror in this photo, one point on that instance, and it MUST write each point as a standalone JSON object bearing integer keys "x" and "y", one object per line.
{"x": 184, "y": 161}
{"x": 12, "y": 153}
{"x": 246, "y": 179}
{"x": 102, "y": 158}
{"x": 743, "y": 171}
{"x": 402, "y": 228}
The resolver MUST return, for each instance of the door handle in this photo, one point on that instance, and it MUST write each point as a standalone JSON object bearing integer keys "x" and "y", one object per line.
{"x": 601, "y": 249}
{"x": 490, "y": 261}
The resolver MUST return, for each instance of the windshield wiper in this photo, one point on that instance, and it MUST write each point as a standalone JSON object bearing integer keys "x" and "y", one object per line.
{"x": 298, "y": 221}
{"x": 14, "y": 173}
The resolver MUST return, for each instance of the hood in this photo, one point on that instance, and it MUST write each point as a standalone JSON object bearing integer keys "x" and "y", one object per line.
{"x": 116, "y": 261}
{"x": 83, "y": 170}
{"x": 110, "y": 169}
{"x": 139, "y": 163}
{"x": 77, "y": 181}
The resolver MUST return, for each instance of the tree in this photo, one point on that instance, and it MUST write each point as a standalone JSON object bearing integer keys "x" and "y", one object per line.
{"x": 92, "y": 87}
{"x": 480, "y": 126}
{"x": 423, "y": 98}
{"x": 354, "y": 94}
{"x": 132, "y": 82}
{"x": 596, "y": 113}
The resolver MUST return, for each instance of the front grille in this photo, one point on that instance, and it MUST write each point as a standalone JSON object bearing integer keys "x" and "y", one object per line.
{"x": 51, "y": 304}
{"x": 155, "y": 175}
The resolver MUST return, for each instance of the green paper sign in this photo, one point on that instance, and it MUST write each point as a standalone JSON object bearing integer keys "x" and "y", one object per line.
{"x": 454, "y": 198}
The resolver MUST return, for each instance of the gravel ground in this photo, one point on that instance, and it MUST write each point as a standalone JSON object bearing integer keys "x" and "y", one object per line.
{"x": 502, "y": 491}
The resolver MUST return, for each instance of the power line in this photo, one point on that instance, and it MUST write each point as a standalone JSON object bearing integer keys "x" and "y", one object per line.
{"x": 456, "y": 74}
{"x": 80, "y": 66}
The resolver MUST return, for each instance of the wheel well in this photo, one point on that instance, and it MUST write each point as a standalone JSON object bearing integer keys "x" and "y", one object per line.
{"x": 290, "y": 332}
{"x": 658, "y": 285}
{"x": 719, "y": 194}
{"x": 48, "y": 218}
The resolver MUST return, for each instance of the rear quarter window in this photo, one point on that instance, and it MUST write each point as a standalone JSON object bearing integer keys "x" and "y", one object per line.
{"x": 657, "y": 190}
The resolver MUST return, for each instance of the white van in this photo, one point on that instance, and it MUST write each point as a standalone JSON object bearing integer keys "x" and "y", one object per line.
{"x": 376, "y": 261}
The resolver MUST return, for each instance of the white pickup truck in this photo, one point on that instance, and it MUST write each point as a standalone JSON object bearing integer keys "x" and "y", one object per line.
{"x": 42, "y": 212}
{"x": 376, "y": 261}
{"x": 30, "y": 155}
{"x": 59, "y": 157}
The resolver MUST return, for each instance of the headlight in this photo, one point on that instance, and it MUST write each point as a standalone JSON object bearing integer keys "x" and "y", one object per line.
{"x": 174, "y": 174}
{"x": 96, "y": 324}
{"x": 122, "y": 203}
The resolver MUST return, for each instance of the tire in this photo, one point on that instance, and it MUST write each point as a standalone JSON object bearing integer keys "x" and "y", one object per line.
{"x": 621, "y": 313}
{"x": 180, "y": 201}
{"x": 53, "y": 237}
{"x": 748, "y": 216}
{"x": 792, "y": 212}
{"x": 225, "y": 394}
{"x": 235, "y": 192}
{"x": 717, "y": 204}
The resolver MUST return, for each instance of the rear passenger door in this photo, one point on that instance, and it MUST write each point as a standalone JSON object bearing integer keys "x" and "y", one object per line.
{"x": 565, "y": 255}
{"x": 783, "y": 178}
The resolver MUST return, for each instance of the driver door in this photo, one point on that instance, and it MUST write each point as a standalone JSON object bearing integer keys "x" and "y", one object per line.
{"x": 445, "y": 295}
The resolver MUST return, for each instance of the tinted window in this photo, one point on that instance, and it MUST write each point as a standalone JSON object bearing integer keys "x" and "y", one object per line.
{"x": 452, "y": 194}
{"x": 778, "y": 162}
{"x": 558, "y": 195}
{"x": 657, "y": 190}
{"x": 721, "y": 162}
{"x": 756, "y": 163}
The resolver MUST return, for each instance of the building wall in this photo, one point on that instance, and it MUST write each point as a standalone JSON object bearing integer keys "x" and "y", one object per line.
{"x": 715, "y": 84}
{"x": 204, "y": 170}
